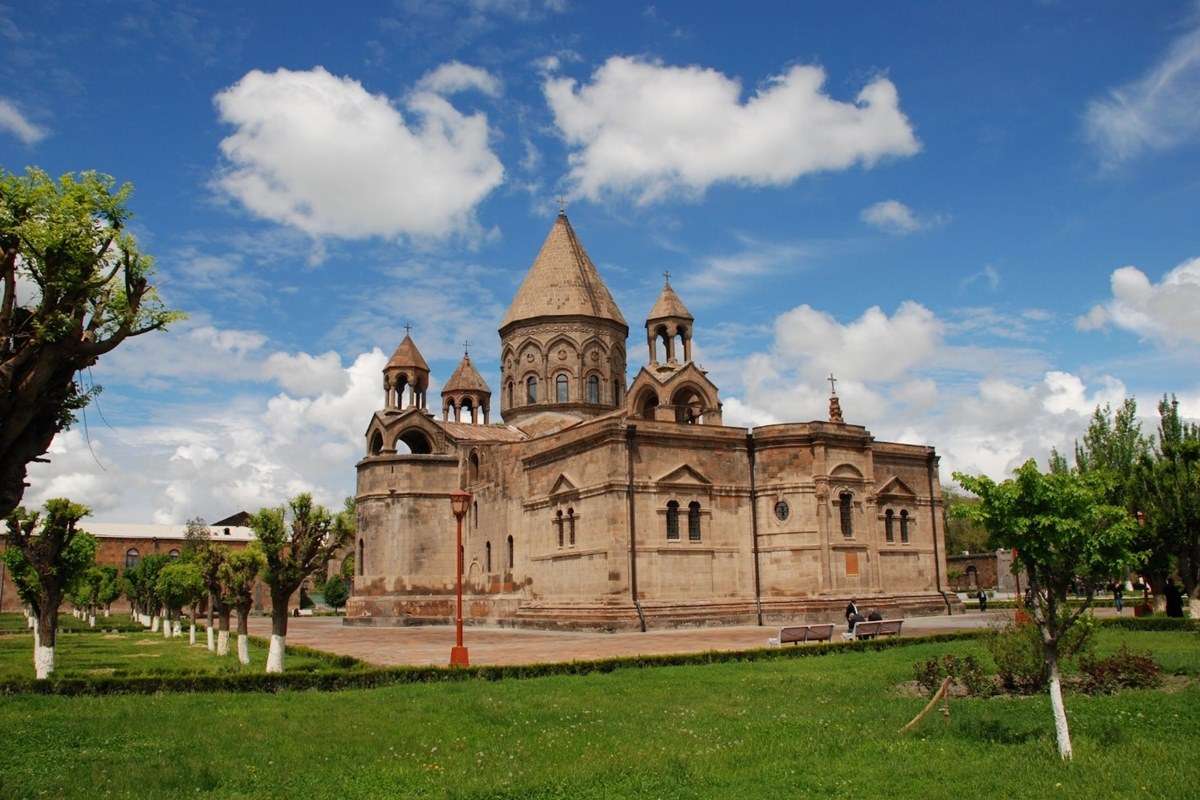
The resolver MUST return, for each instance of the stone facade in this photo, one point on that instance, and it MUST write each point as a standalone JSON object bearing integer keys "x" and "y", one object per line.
{"x": 973, "y": 571}
{"x": 604, "y": 505}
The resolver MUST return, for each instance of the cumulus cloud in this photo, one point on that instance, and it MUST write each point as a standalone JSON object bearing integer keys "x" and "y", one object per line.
{"x": 455, "y": 76}
{"x": 650, "y": 130}
{"x": 1157, "y": 111}
{"x": 306, "y": 374}
{"x": 892, "y": 216}
{"x": 16, "y": 123}
{"x": 322, "y": 154}
{"x": 1167, "y": 311}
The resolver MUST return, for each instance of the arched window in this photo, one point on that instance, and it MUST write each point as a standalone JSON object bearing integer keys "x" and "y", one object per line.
{"x": 888, "y": 519}
{"x": 466, "y": 410}
{"x": 972, "y": 577}
{"x": 673, "y": 521}
{"x": 593, "y": 389}
{"x": 376, "y": 443}
{"x": 616, "y": 393}
{"x": 510, "y": 552}
{"x": 571, "y": 527}
{"x": 561, "y": 389}
{"x": 904, "y": 526}
{"x": 510, "y": 394}
{"x": 473, "y": 467}
{"x": 846, "y": 503}
{"x": 362, "y": 559}
{"x": 693, "y": 521}
{"x": 414, "y": 441}
{"x": 558, "y": 526}
{"x": 487, "y": 556}
{"x": 475, "y": 514}
{"x": 648, "y": 405}
{"x": 174, "y": 553}
{"x": 132, "y": 557}
{"x": 531, "y": 389}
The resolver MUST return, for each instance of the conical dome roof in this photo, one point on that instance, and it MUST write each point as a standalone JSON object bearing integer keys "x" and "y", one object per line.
{"x": 669, "y": 305}
{"x": 562, "y": 282}
{"x": 407, "y": 355}
{"x": 466, "y": 379}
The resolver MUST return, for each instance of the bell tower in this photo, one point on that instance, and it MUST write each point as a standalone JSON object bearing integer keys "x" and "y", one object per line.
{"x": 668, "y": 321}
{"x": 405, "y": 377}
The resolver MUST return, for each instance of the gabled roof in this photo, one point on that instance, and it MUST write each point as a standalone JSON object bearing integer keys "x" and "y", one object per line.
{"x": 562, "y": 282}
{"x": 466, "y": 379}
{"x": 668, "y": 305}
{"x": 407, "y": 355}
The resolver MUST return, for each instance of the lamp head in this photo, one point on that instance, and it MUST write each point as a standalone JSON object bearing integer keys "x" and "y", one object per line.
{"x": 460, "y": 501}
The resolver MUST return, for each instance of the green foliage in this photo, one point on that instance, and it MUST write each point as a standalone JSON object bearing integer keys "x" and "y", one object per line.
{"x": 141, "y": 582}
{"x": 1018, "y": 652}
{"x": 336, "y": 591}
{"x": 209, "y": 558}
{"x": 196, "y": 537}
{"x": 963, "y": 534}
{"x": 47, "y": 555}
{"x": 965, "y": 671}
{"x": 1125, "y": 669}
{"x": 237, "y": 575}
{"x": 1169, "y": 482}
{"x": 292, "y": 555}
{"x": 179, "y": 584}
{"x": 110, "y": 586}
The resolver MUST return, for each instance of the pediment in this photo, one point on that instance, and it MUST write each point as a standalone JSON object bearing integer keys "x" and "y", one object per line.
{"x": 895, "y": 486}
{"x": 563, "y": 483}
{"x": 846, "y": 471}
{"x": 685, "y": 474}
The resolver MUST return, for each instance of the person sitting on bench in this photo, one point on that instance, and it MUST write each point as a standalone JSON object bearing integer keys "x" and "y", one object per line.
{"x": 852, "y": 615}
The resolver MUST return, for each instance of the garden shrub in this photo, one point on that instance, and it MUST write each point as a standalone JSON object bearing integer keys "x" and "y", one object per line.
{"x": 1124, "y": 669}
{"x": 965, "y": 671}
{"x": 1018, "y": 652}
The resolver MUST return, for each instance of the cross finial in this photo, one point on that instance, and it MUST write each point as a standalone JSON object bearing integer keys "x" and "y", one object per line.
{"x": 466, "y": 347}
{"x": 407, "y": 328}
{"x": 562, "y": 204}
{"x": 667, "y": 277}
{"x": 832, "y": 383}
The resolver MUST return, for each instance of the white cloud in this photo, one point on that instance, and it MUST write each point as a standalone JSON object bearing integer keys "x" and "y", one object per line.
{"x": 455, "y": 76}
{"x": 1167, "y": 311}
{"x": 756, "y": 258}
{"x": 892, "y": 216}
{"x": 650, "y": 130}
{"x": 16, "y": 123}
{"x": 320, "y": 153}
{"x": 1158, "y": 111}
{"x": 305, "y": 374}
{"x": 989, "y": 275}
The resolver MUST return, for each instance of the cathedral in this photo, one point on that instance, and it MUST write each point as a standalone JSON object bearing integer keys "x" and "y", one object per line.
{"x": 604, "y": 504}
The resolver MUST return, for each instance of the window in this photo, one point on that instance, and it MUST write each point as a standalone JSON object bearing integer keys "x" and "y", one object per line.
{"x": 510, "y": 394}
{"x": 132, "y": 557}
{"x": 561, "y": 389}
{"x": 846, "y": 503}
{"x": 510, "y": 552}
{"x": 474, "y": 467}
{"x": 558, "y": 524}
{"x": 571, "y": 527}
{"x": 851, "y": 565}
{"x": 376, "y": 443}
{"x": 174, "y": 552}
{"x": 693, "y": 521}
{"x": 414, "y": 441}
{"x": 475, "y": 514}
{"x": 904, "y": 527}
{"x": 362, "y": 559}
{"x": 672, "y": 521}
{"x": 616, "y": 393}
{"x": 593, "y": 389}
{"x": 888, "y": 518}
{"x": 531, "y": 389}
{"x": 782, "y": 511}
{"x": 487, "y": 556}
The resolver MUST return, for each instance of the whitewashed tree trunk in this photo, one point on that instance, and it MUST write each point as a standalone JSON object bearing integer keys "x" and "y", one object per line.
{"x": 243, "y": 648}
{"x": 178, "y": 629}
{"x": 107, "y": 612}
{"x": 223, "y": 643}
{"x": 212, "y": 645}
{"x": 192, "y": 634}
{"x": 43, "y": 661}
{"x": 1061, "y": 731}
{"x": 154, "y": 623}
{"x": 275, "y": 654}
{"x": 91, "y": 620}
{"x": 32, "y": 622}
{"x": 166, "y": 628}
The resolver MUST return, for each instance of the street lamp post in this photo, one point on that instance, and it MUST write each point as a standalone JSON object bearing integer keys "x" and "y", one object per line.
{"x": 460, "y": 501}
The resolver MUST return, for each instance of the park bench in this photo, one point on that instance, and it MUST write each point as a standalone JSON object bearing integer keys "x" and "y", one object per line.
{"x": 871, "y": 628}
{"x": 798, "y": 634}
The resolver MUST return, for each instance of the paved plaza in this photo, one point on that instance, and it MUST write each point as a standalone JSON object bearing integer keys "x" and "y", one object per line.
{"x": 430, "y": 644}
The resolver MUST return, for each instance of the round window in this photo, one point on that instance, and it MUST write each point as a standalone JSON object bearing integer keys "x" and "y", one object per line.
{"x": 781, "y": 510}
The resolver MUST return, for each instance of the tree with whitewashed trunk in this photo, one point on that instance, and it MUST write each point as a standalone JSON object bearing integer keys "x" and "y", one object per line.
{"x": 45, "y": 556}
{"x": 209, "y": 558}
{"x": 110, "y": 588}
{"x": 238, "y": 574}
{"x": 1066, "y": 535}
{"x": 179, "y": 584}
{"x": 143, "y": 583}
{"x": 294, "y": 551}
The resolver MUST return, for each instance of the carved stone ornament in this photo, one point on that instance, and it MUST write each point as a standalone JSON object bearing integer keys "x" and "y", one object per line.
{"x": 562, "y": 355}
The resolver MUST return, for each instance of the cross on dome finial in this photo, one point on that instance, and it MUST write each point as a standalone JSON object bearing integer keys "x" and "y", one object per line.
{"x": 562, "y": 205}
{"x": 832, "y": 384}
{"x": 407, "y": 329}
{"x": 667, "y": 277}
{"x": 466, "y": 347}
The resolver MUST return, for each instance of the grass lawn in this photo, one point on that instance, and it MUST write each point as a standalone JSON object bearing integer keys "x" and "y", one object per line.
{"x": 80, "y": 655}
{"x": 807, "y": 727}
{"x": 15, "y": 623}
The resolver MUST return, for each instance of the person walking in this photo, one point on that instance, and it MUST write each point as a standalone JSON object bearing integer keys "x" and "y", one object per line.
{"x": 982, "y": 598}
{"x": 1118, "y": 596}
{"x": 1174, "y": 599}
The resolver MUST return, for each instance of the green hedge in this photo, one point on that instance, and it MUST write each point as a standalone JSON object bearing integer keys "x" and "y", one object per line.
{"x": 1156, "y": 623}
{"x": 335, "y": 679}
{"x": 971, "y": 603}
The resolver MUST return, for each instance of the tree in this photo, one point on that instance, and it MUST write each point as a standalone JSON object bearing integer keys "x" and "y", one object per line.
{"x": 315, "y": 536}
{"x": 196, "y": 536}
{"x": 110, "y": 587}
{"x": 178, "y": 585}
{"x": 209, "y": 558}
{"x": 90, "y": 291}
{"x": 142, "y": 580}
{"x": 45, "y": 556}
{"x": 963, "y": 535}
{"x": 1065, "y": 533}
{"x": 1169, "y": 482}
{"x": 336, "y": 592}
{"x": 238, "y": 574}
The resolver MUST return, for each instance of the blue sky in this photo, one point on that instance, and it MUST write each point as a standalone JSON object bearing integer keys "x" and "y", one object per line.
{"x": 982, "y": 217}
